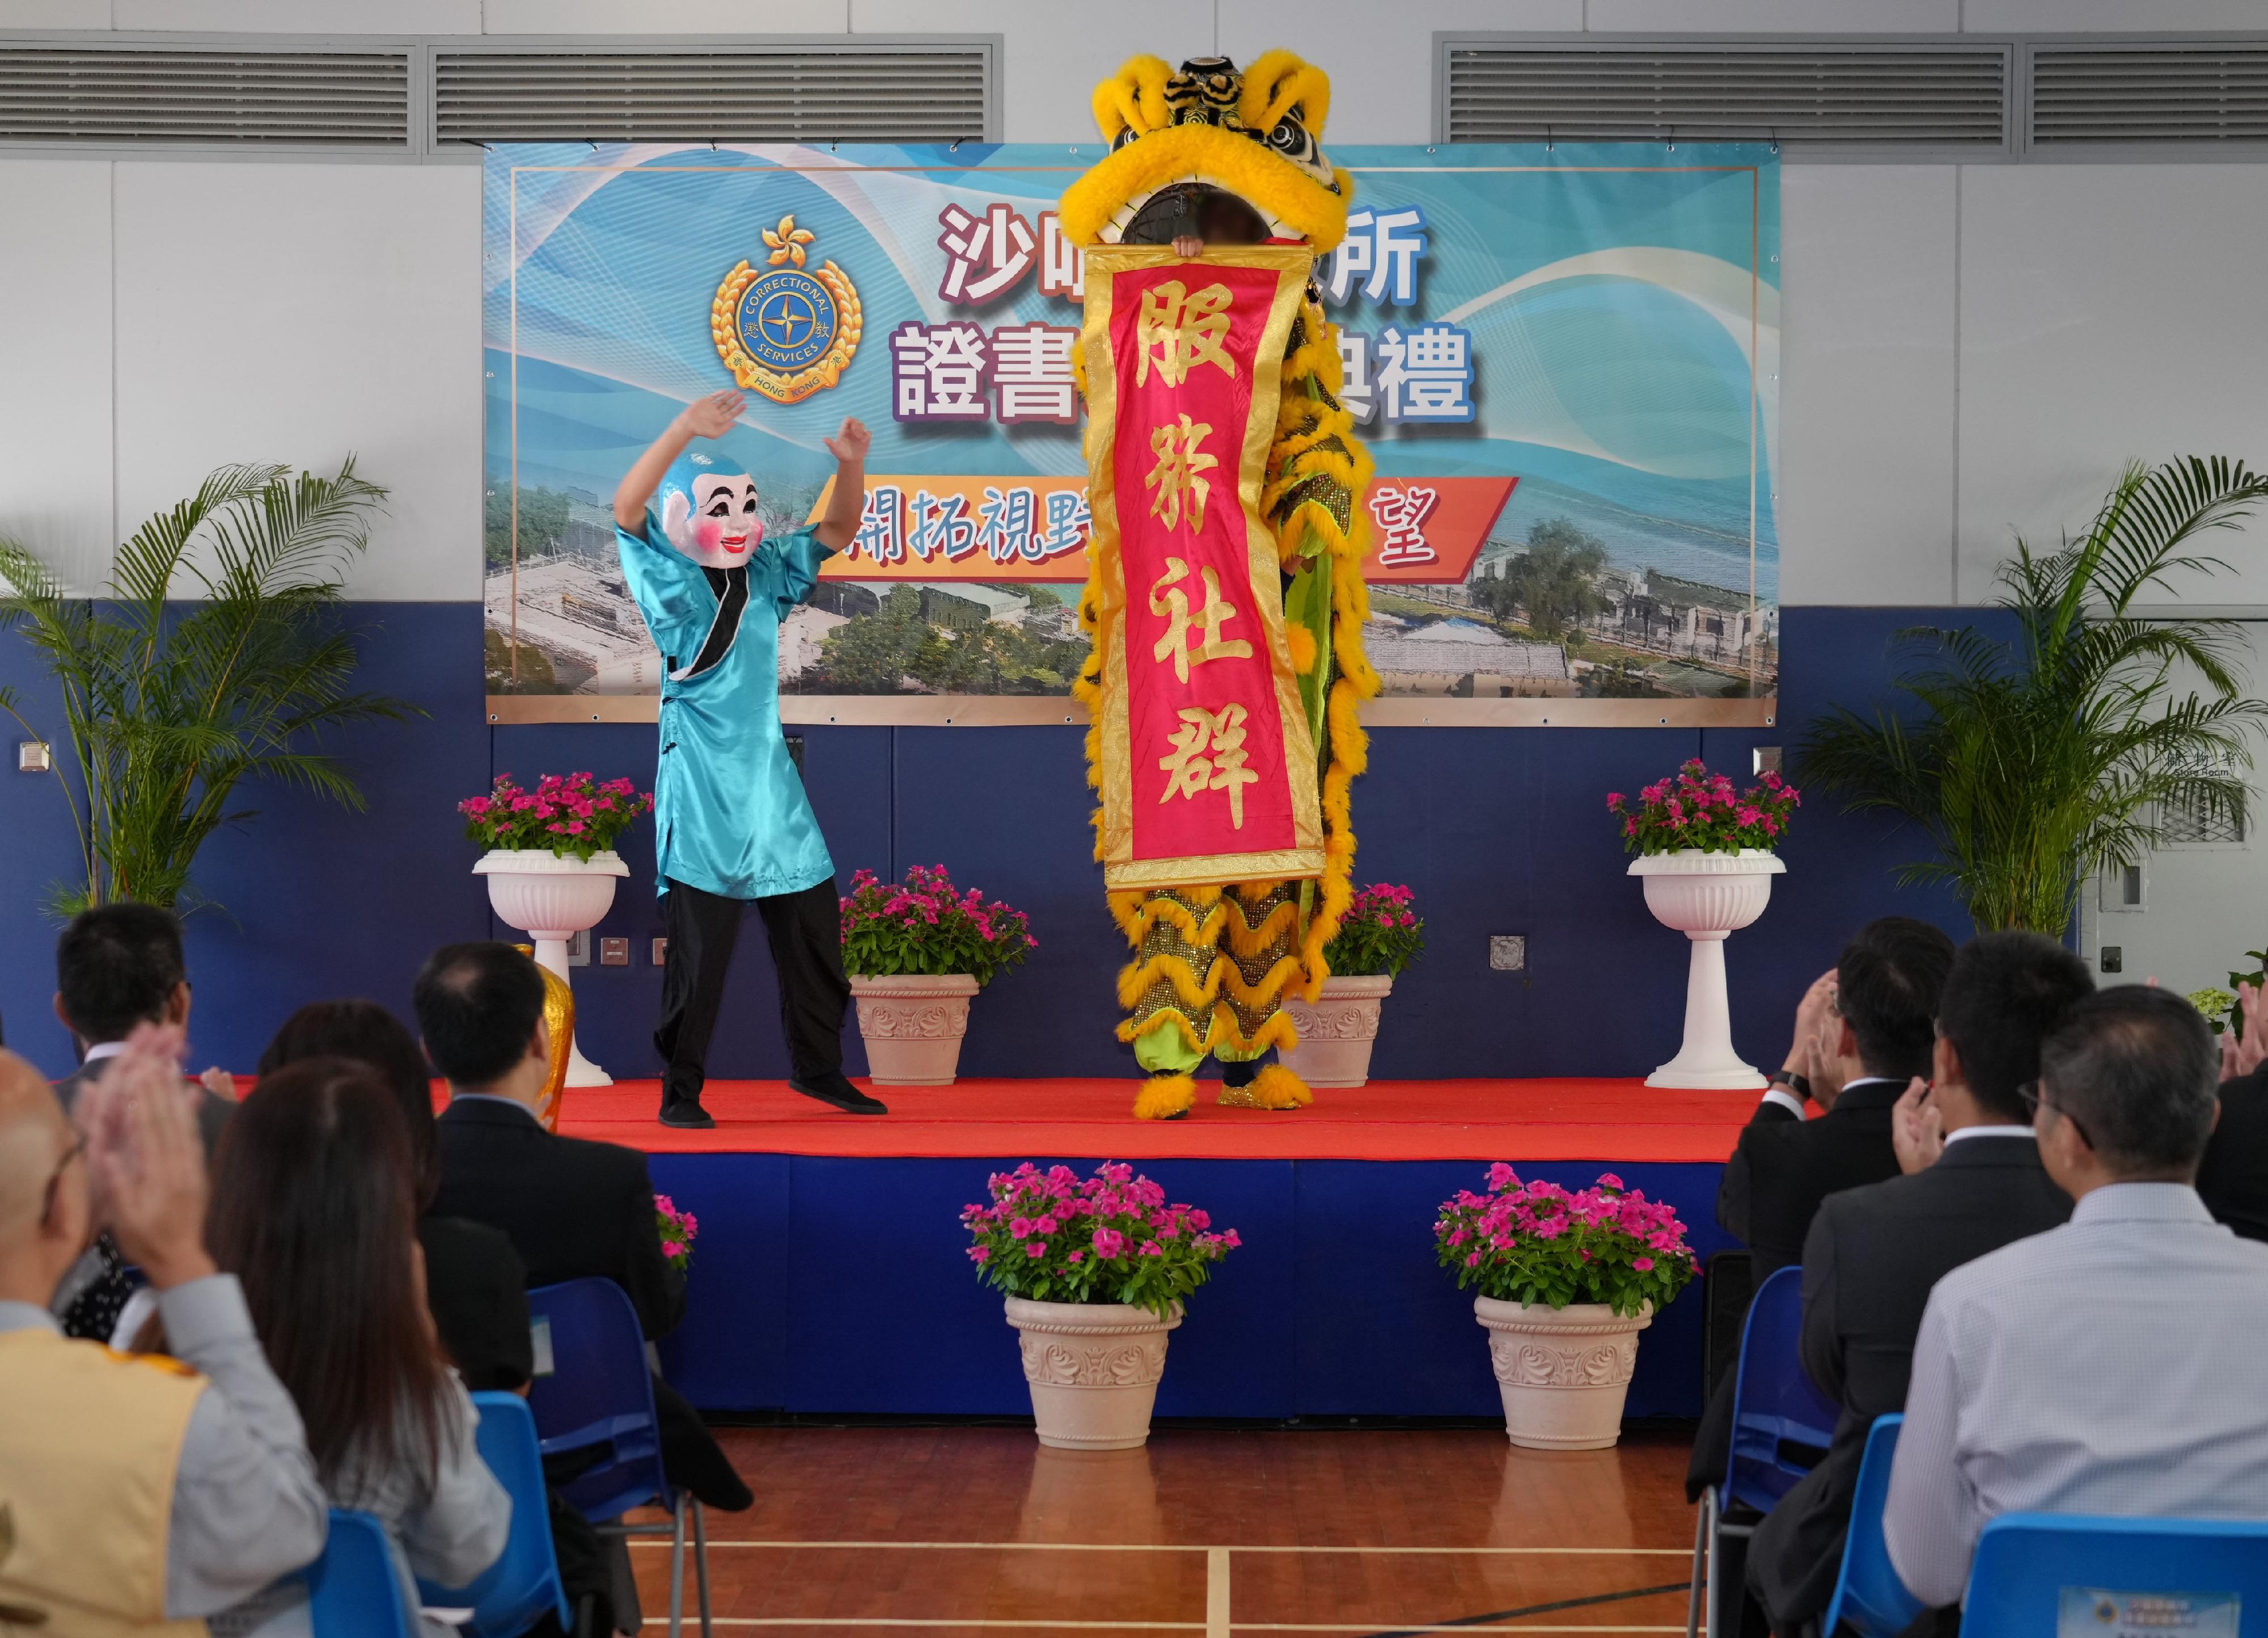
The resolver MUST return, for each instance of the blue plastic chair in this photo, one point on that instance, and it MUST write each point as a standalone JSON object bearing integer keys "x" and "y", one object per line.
{"x": 2024, "y": 1561}
{"x": 355, "y": 1588}
{"x": 598, "y": 1397}
{"x": 1775, "y": 1405}
{"x": 514, "y": 1592}
{"x": 1867, "y": 1592}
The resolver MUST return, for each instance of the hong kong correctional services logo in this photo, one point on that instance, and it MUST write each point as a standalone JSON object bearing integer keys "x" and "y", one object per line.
{"x": 784, "y": 332}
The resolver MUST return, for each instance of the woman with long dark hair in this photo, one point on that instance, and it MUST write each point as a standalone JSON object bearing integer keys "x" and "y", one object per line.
{"x": 313, "y": 1210}
{"x": 476, "y": 1284}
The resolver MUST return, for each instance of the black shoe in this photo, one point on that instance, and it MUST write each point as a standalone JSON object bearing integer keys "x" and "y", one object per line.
{"x": 687, "y": 1111}
{"x": 835, "y": 1088}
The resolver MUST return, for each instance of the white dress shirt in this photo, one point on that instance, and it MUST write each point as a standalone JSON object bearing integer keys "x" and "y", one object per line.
{"x": 2106, "y": 1366}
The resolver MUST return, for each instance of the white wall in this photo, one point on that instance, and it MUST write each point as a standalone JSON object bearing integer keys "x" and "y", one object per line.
{"x": 1970, "y": 350}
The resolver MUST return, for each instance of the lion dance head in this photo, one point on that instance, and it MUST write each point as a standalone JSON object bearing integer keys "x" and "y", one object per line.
{"x": 1233, "y": 156}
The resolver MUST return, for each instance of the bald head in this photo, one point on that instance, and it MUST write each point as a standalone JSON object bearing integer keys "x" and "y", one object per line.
{"x": 33, "y": 1136}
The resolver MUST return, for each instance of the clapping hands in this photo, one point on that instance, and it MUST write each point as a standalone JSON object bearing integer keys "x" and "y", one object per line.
{"x": 146, "y": 1160}
{"x": 2243, "y": 1056}
{"x": 1917, "y": 1128}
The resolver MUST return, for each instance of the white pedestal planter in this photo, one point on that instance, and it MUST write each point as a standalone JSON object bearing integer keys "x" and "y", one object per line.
{"x": 1563, "y": 1372}
{"x": 1093, "y": 1369}
{"x": 1336, "y": 1031}
{"x": 552, "y": 899}
{"x": 913, "y": 1026}
{"x": 1707, "y": 896}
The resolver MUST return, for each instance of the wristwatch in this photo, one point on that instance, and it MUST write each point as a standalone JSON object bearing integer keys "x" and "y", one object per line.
{"x": 1800, "y": 1086}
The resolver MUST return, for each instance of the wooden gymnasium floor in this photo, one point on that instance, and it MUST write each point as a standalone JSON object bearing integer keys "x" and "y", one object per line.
{"x": 878, "y": 1530}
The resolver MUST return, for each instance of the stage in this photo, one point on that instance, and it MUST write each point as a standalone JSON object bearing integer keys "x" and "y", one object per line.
{"x": 830, "y": 1276}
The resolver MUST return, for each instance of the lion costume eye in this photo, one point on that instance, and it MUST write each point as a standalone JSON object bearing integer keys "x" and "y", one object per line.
{"x": 1287, "y": 137}
{"x": 1125, "y": 135}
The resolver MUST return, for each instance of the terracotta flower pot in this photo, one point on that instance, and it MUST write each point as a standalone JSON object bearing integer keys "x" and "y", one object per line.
{"x": 1563, "y": 1372}
{"x": 913, "y": 1026}
{"x": 1336, "y": 1031}
{"x": 1093, "y": 1369}
{"x": 1707, "y": 897}
{"x": 551, "y": 899}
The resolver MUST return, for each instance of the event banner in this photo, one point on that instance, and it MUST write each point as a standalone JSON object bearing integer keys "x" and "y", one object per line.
{"x": 1564, "y": 359}
{"x": 1208, "y": 764}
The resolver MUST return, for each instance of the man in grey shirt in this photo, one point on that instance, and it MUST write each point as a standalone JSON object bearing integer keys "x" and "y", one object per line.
{"x": 2099, "y": 1367}
{"x": 246, "y": 1507}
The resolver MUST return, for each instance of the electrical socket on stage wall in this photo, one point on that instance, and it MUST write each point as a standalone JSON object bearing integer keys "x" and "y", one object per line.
{"x": 660, "y": 951}
{"x": 1508, "y": 952}
{"x": 614, "y": 952}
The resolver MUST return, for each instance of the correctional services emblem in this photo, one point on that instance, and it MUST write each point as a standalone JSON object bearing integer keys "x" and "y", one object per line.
{"x": 785, "y": 332}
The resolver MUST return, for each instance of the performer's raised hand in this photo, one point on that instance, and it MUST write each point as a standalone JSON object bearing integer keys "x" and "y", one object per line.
{"x": 850, "y": 444}
{"x": 712, "y": 417}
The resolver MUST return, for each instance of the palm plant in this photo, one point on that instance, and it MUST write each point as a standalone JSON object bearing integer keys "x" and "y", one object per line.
{"x": 172, "y": 705}
{"x": 2033, "y": 763}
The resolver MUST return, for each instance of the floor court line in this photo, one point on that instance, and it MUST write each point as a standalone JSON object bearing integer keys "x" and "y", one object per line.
{"x": 1217, "y": 1624}
{"x": 1177, "y": 1546}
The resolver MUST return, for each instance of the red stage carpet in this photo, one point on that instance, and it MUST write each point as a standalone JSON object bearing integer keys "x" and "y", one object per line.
{"x": 1566, "y": 1120}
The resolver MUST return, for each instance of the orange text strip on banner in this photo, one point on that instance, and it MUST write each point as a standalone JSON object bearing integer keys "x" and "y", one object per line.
{"x": 956, "y": 526}
{"x": 1208, "y": 764}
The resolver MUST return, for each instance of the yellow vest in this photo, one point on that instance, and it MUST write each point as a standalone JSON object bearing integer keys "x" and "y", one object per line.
{"x": 88, "y": 1443}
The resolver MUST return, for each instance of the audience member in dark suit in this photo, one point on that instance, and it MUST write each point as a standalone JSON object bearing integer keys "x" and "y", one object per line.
{"x": 574, "y": 1209}
{"x": 1873, "y": 1253}
{"x": 2233, "y": 1180}
{"x": 475, "y": 1285}
{"x": 118, "y": 965}
{"x": 1861, "y": 1033}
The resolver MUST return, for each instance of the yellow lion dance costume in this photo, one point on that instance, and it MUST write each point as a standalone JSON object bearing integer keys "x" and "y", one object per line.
{"x": 1233, "y": 157}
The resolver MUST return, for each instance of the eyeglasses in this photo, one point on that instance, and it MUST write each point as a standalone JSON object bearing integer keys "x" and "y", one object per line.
{"x": 56, "y": 1178}
{"x": 2029, "y": 1093}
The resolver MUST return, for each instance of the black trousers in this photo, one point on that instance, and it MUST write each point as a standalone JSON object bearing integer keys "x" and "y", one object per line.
{"x": 805, "y": 931}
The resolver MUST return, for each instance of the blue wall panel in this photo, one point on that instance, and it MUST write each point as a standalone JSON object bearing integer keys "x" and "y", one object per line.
{"x": 1499, "y": 831}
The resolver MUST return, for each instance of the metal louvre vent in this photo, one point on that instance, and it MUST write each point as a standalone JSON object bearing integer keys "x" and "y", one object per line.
{"x": 2202, "y": 91}
{"x": 902, "y": 95}
{"x": 144, "y": 94}
{"x": 1822, "y": 91}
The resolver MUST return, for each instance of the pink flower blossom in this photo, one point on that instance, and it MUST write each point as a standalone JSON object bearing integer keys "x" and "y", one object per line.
{"x": 1644, "y": 1264}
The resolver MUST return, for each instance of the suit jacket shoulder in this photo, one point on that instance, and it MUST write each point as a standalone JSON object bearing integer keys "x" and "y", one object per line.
{"x": 2233, "y": 1178}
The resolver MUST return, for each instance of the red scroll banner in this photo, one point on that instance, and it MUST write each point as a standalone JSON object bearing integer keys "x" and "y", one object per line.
{"x": 1208, "y": 770}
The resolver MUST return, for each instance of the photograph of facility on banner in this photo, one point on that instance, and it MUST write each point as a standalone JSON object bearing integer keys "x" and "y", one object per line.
{"x": 1566, "y": 363}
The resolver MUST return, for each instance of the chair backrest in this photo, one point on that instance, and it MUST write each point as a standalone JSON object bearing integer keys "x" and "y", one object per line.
{"x": 1868, "y": 1594}
{"x": 355, "y": 1590}
{"x": 514, "y": 1593}
{"x": 1774, "y": 1402}
{"x": 2029, "y": 1566}
{"x": 598, "y": 1397}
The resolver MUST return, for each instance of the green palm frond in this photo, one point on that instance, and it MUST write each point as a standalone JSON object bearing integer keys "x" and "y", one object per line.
{"x": 172, "y": 705}
{"x": 2030, "y": 762}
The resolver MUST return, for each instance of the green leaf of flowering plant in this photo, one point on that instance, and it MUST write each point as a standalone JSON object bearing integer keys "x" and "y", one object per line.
{"x": 1053, "y": 1237}
{"x": 1542, "y": 1245}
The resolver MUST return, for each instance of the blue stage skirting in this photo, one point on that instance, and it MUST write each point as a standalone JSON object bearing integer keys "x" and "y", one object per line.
{"x": 829, "y": 1285}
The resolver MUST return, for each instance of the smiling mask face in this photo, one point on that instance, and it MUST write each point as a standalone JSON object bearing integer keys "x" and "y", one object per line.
{"x": 710, "y": 515}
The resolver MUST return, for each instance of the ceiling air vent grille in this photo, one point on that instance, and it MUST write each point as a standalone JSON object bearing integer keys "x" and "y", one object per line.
{"x": 1826, "y": 92}
{"x": 2192, "y": 92}
{"x": 143, "y": 94}
{"x": 687, "y": 96}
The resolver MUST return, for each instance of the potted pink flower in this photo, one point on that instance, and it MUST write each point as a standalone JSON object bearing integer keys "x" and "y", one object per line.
{"x": 1096, "y": 1270}
{"x": 1565, "y": 1280}
{"x": 1706, "y": 856}
{"x": 917, "y": 952}
{"x": 678, "y": 1229}
{"x": 1379, "y": 936}
{"x": 551, "y": 865}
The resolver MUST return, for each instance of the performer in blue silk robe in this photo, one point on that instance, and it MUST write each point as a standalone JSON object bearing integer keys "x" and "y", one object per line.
{"x": 731, "y": 824}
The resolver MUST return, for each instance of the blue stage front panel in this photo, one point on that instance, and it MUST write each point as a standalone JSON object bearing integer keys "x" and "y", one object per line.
{"x": 828, "y": 1285}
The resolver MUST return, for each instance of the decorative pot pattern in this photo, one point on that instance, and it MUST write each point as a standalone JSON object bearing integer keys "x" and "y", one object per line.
{"x": 1336, "y": 1031}
{"x": 1707, "y": 897}
{"x": 1563, "y": 1373}
{"x": 551, "y": 899}
{"x": 1093, "y": 1371}
{"x": 913, "y": 1026}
